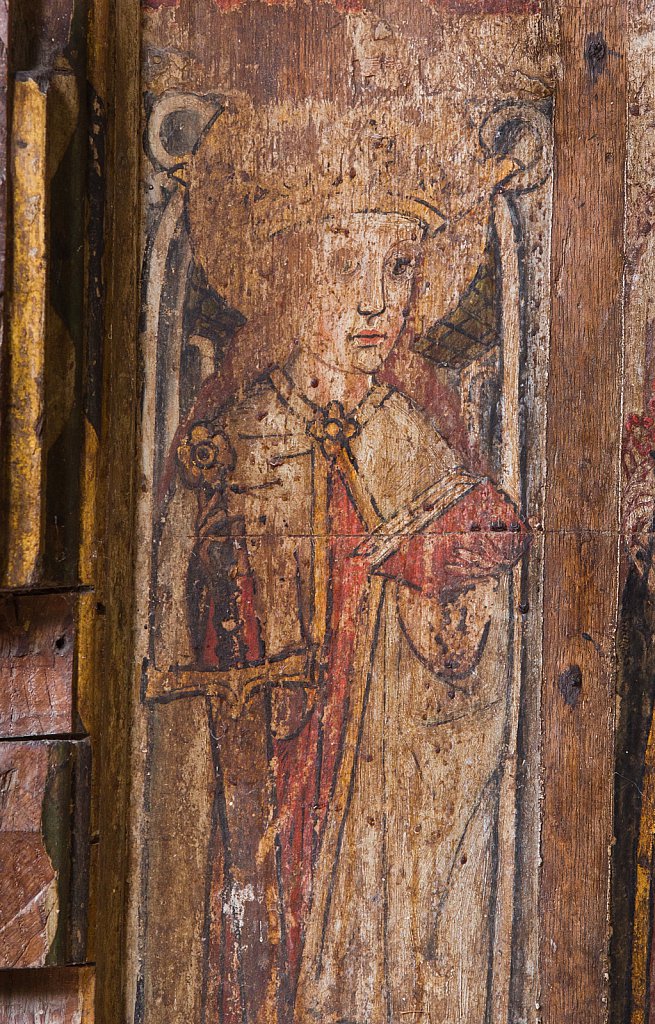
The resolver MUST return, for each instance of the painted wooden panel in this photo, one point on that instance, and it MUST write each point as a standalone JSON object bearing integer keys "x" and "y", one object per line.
{"x": 345, "y": 345}
{"x": 379, "y": 411}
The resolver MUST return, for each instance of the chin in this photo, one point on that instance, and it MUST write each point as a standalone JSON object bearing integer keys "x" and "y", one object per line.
{"x": 368, "y": 361}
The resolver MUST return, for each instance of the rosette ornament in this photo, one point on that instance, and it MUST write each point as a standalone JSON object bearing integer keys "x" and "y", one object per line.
{"x": 205, "y": 456}
{"x": 333, "y": 429}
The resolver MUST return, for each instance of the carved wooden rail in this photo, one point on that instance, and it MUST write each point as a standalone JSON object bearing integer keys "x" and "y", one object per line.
{"x": 48, "y": 604}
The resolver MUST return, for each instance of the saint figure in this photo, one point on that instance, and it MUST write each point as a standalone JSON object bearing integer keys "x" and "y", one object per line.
{"x": 334, "y": 580}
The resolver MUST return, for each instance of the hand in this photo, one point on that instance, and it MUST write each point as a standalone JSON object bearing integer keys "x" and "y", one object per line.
{"x": 477, "y": 556}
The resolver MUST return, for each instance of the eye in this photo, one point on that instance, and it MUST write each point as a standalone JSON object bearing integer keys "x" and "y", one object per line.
{"x": 346, "y": 263}
{"x": 401, "y": 265}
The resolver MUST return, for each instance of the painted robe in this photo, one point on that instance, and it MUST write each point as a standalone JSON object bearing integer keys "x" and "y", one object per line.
{"x": 337, "y": 585}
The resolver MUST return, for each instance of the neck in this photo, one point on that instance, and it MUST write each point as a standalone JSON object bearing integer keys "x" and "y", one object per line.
{"x": 322, "y": 382}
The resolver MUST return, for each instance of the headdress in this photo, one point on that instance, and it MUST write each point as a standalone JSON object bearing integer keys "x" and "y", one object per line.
{"x": 262, "y": 173}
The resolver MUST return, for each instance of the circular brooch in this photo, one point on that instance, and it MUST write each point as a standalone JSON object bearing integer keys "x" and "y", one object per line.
{"x": 333, "y": 429}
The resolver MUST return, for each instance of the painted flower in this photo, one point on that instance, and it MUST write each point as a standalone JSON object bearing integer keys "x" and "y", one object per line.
{"x": 639, "y": 439}
{"x": 333, "y": 429}
{"x": 205, "y": 456}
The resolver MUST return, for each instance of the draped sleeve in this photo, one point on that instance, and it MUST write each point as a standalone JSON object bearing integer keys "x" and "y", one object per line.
{"x": 205, "y": 614}
{"x": 480, "y": 537}
{"x": 447, "y": 578}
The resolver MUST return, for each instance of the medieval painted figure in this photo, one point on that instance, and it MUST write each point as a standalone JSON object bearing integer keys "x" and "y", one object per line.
{"x": 332, "y": 579}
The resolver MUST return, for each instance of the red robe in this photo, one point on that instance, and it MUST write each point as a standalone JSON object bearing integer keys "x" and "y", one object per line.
{"x": 479, "y": 537}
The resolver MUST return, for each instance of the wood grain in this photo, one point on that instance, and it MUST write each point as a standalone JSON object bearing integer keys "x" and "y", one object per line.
{"x": 581, "y": 514}
{"x": 24, "y": 414}
{"x": 56, "y": 995}
{"x": 294, "y": 75}
{"x": 118, "y": 65}
{"x": 43, "y": 852}
{"x": 581, "y": 519}
{"x": 37, "y": 646}
{"x": 4, "y": 136}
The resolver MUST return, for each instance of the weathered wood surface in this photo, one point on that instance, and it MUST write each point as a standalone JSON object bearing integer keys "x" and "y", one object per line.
{"x": 4, "y": 136}
{"x": 24, "y": 414}
{"x": 37, "y": 665}
{"x": 53, "y": 357}
{"x": 197, "y": 737}
{"x": 354, "y": 824}
{"x": 54, "y": 680}
{"x": 581, "y": 516}
{"x": 115, "y": 70}
{"x": 55, "y": 995}
{"x": 43, "y": 852}
{"x": 631, "y": 968}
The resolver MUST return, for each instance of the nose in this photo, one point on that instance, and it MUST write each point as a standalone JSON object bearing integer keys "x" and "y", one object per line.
{"x": 372, "y": 299}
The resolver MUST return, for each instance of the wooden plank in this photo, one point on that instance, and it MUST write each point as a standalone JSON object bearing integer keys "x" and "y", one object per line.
{"x": 632, "y": 964}
{"x": 371, "y": 872}
{"x": 25, "y": 360}
{"x": 115, "y": 64}
{"x": 43, "y": 852}
{"x": 56, "y": 995}
{"x": 4, "y": 133}
{"x": 581, "y": 514}
{"x": 37, "y": 665}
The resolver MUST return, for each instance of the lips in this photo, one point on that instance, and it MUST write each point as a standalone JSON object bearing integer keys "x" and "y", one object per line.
{"x": 369, "y": 337}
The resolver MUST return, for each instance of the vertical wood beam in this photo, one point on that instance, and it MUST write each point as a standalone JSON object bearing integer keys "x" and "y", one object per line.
{"x": 581, "y": 512}
{"x": 4, "y": 136}
{"x": 116, "y": 495}
{"x": 27, "y": 310}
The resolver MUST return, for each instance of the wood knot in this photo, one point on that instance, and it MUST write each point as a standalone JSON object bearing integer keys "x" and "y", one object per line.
{"x": 595, "y": 54}
{"x": 570, "y": 684}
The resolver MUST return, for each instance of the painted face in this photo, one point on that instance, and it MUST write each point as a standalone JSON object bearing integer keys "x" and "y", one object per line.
{"x": 362, "y": 279}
